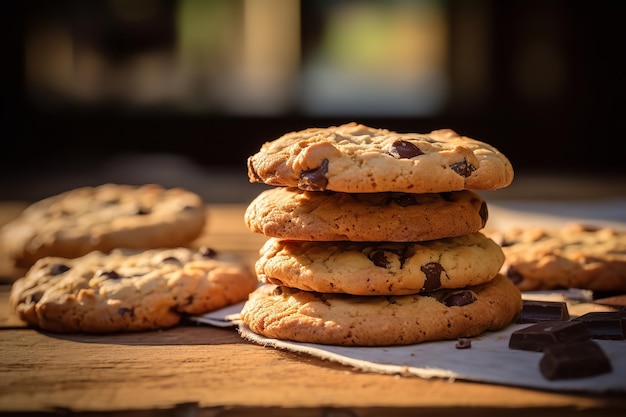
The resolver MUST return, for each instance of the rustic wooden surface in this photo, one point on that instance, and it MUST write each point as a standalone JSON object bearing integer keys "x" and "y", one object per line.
{"x": 197, "y": 370}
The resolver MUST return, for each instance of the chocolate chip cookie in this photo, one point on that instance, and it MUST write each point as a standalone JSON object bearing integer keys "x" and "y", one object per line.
{"x": 354, "y": 158}
{"x": 573, "y": 256}
{"x": 365, "y": 268}
{"x": 292, "y": 213}
{"x": 339, "y": 319}
{"x": 105, "y": 217}
{"x": 126, "y": 291}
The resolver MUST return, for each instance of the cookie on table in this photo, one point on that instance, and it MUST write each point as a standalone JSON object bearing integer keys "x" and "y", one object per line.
{"x": 292, "y": 213}
{"x": 127, "y": 291}
{"x": 573, "y": 256}
{"x": 304, "y": 316}
{"x": 366, "y": 268}
{"x": 354, "y": 158}
{"x": 78, "y": 221}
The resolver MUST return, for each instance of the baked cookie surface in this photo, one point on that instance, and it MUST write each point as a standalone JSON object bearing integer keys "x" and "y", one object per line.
{"x": 366, "y": 268}
{"x": 292, "y": 213}
{"x": 573, "y": 256}
{"x": 339, "y": 319}
{"x": 354, "y": 158}
{"x": 126, "y": 290}
{"x": 105, "y": 217}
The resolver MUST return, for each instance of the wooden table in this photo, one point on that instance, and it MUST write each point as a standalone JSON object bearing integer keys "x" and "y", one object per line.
{"x": 197, "y": 370}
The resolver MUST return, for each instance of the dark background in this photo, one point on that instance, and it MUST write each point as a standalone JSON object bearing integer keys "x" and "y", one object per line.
{"x": 578, "y": 131}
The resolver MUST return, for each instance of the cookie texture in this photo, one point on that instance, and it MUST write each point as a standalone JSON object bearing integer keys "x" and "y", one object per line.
{"x": 339, "y": 319}
{"x": 365, "y": 268}
{"x": 574, "y": 256}
{"x": 126, "y": 291}
{"x": 354, "y": 158}
{"x": 292, "y": 213}
{"x": 78, "y": 221}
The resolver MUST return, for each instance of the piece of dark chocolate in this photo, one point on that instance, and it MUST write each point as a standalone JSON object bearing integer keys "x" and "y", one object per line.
{"x": 538, "y": 336}
{"x": 463, "y": 343}
{"x": 574, "y": 360}
{"x": 538, "y": 311}
{"x": 610, "y": 325}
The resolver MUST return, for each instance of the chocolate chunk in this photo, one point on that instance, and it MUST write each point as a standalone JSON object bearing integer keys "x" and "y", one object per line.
{"x": 207, "y": 252}
{"x": 433, "y": 271}
{"x": 539, "y": 335}
{"x": 484, "y": 213}
{"x": 538, "y": 311}
{"x": 314, "y": 179}
{"x": 379, "y": 258}
{"x": 459, "y": 298}
{"x": 463, "y": 343}
{"x": 109, "y": 274}
{"x": 401, "y": 149}
{"x": 58, "y": 269}
{"x": 513, "y": 274}
{"x": 171, "y": 259}
{"x": 463, "y": 168}
{"x": 35, "y": 297}
{"x": 609, "y": 325}
{"x": 574, "y": 360}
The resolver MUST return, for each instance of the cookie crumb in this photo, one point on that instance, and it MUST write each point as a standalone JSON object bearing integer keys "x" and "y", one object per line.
{"x": 463, "y": 343}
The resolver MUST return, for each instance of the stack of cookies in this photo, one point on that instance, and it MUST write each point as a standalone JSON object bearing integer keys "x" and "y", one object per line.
{"x": 374, "y": 238}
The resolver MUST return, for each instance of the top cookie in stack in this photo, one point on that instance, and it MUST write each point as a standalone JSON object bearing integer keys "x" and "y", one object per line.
{"x": 354, "y": 158}
{"x": 374, "y": 237}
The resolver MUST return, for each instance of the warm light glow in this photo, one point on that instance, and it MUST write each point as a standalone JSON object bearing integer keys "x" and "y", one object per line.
{"x": 379, "y": 58}
{"x": 247, "y": 57}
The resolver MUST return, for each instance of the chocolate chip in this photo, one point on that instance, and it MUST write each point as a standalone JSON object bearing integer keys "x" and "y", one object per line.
{"x": 463, "y": 168}
{"x": 277, "y": 291}
{"x": 171, "y": 259}
{"x": 58, "y": 269}
{"x": 315, "y": 179}
{"x": 402, "y": 149}
{"x": 207, "y": 252}
{"x": 142, "y": 211}
{"x": 109, "y": 274}
{"x": 484, "y": 213}
{"x": 459, "y": 298}
{"x": 463, "y": 343}
{"x": 514, "y": 275}
{"x": 405, "y": 200}
{"x": 506, "y": 243}
{"x": 34, "y": 298}
{"x": 433, "y": 271}
{"x": 379, "y": 258}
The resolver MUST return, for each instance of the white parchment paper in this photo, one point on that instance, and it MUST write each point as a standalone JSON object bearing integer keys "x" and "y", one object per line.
{"x": 489, "y": 360}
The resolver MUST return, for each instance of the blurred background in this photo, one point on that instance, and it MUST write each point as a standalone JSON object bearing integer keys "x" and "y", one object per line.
{"x": 181, "y": 92}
